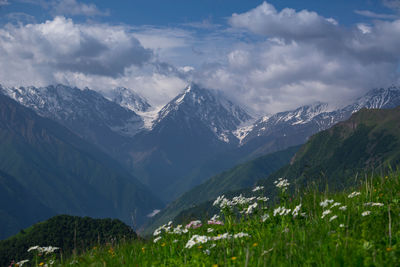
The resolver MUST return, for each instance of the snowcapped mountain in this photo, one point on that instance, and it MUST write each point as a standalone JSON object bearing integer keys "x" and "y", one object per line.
{"x": 208, "y": 107}
{"x": 85, "y": 112}
{"x": 128, "y": 99}
{"x": 197, "y": 134}
{"x": 297, "y": 125}
{"x": 301, "y": 115}
{"x": 191, "y": 128}
{"x": 377, "y": 98}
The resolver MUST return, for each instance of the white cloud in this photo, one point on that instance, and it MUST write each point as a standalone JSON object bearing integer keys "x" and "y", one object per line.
{"x": 304, "y": 58}
{"x": 98, "y": 56}
{"x": 68, "y": 7}
{"x": 62, "y": 45}
{"x": 4, "y": 3}
{"x": 393, "y": 4}
{"x": 370, "y": 14}
{"x": 364, "y": 28}
{"x": 287, "y": 24}
{"x": 75, "y": 8}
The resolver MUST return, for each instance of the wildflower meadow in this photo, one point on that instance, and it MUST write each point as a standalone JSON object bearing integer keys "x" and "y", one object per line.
{"x": 360, "y": 227}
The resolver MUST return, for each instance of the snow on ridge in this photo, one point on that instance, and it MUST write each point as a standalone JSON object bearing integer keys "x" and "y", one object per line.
{"x": 241, "y": 132}
{"x": 149, "y": 117}
{"x": 128, "y": 98}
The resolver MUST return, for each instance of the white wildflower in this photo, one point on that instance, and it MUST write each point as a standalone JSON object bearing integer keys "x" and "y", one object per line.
{"x": 196, "y": 239}
{"x": 21, "y": 263}
{"x": 251, "y": 208}
{"x": 343, "y": 208}
{"x": 366, "y": 213}
{"x": 157, "y": 239}
{"x": 354, "y": 194}
{"x": 207, "y": 252}
{"x": 157, "y": 232}
{"x": 194, "y": 224}
{"x": 373, "y": 204}
{"x": 282, "y": 183}
{"x": 175, "y": 241}
{"x": 215, "y": 217}
{"x": 296, "y": 210}
{"x": 50, "y": 249}
{"x": 218, "y": 201}
{"x": 267, "y": 251}
{"x": 210, "y": 230}
{"x": 326, "y": 212}
{"x": 277, "y": 211}
{"x": 241, "y": 200}
{"x": 257, "y": 188}
{"x": 166, "y": 228}
{"x": 336, "y": 204}
{"x": 333, "y": 218}
{"x": 225, "y": 203}
{"x": 341, "y": 225}
{"x": 33, "y": 248}
{"x": 325, "y": 203}
{"x": 223, "y": 236}
{"x": 179, "y": 230}
{"x": 45, "y": 250}
{"x": 265, "y": 199}
{"x": 282, "y": 211}
{"x": 240, "y": 235}
{"x": 265, "y": 217}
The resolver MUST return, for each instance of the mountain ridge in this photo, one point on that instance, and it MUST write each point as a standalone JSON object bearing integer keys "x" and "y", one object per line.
{"x": 63, "y": 172}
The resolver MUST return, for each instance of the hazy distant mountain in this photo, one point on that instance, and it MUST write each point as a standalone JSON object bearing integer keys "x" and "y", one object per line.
{"x": 43, "y": 164}
{"x": 196, "y": 135}
{"x": 191, "y": 128}
{"x": 85, "y": 112}
{"x": 290, "y": 128}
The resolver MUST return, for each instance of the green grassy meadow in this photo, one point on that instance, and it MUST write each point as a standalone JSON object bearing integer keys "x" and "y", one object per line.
{"x": 358, "y": 227}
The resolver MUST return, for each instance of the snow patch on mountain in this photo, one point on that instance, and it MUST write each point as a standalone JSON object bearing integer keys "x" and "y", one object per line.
{"x": 128, "y": 99}
{"x": 149, "y": 117}
{"x": 241, "y": 132}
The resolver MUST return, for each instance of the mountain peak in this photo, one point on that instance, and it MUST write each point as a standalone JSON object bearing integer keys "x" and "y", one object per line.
{"x": 378, "y": 98}
{"x": 128, "y": 99}
{"x": 206, "y": 106}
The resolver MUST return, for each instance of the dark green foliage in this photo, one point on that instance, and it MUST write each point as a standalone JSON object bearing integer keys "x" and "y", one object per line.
{"x": 69, "y": 233}
{"x": 239, "y": 177}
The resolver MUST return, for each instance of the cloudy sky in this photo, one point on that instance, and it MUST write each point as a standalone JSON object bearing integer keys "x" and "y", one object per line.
{"x": 268, "y": 56}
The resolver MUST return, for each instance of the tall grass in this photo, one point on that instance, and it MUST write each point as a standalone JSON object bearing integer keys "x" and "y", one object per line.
{"x": 351, "y": 228}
